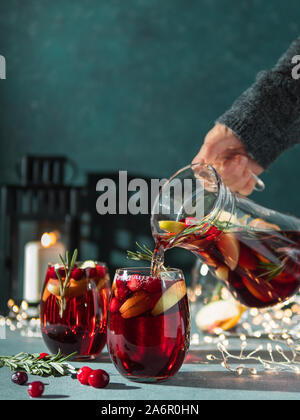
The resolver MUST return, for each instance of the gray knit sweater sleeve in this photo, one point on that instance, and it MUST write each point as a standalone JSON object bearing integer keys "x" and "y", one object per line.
{"x": 267, "y": 116}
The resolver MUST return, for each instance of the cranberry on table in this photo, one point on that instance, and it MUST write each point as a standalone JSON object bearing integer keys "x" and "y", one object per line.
{"x": 98, "y": 379}
{"x": 36, "y": 389}
{"x": 19, "y": 378}
{"x": 83, "y": 375}
{"x": 43, "y": 356}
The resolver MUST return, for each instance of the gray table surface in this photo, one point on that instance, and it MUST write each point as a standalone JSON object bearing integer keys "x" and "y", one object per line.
{"x": 197, "y": 380}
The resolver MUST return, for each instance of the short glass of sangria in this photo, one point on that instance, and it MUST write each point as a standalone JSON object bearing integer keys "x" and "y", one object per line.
{"x": 148, "y": 324}
{"x": 75, "y": 320}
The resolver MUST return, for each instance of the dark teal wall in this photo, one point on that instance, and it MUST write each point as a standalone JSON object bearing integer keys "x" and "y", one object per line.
{"x": 135, "y": 84}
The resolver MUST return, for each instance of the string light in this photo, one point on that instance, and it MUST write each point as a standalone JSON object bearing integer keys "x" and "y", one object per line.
{"x": 19, "y": 319}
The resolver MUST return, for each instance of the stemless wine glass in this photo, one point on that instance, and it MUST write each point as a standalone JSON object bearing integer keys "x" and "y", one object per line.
{"x": 82, "y": 325}
{"x": 148, "y": 324}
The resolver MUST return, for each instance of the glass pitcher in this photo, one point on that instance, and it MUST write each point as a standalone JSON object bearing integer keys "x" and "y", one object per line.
{"x": 253, "y": 250}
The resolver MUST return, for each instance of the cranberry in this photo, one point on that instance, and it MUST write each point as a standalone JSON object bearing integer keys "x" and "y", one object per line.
{"x": 114, "y": 305}
{"x": 83, "y": 375}
{"x": 53, "y": 275}
{"x": 77, "y": 274}
{"x": 190, "y": 221}
{"x": 99, "y": 379}
{"x": 122, "y": 290}
{"x": 91, "y": 272}
{"x": 19, "y": 378}
{"x": 101, "y": 271}
{"x": 43, "y": 356}
{"x": 153, "y": 285}
{"x": 136, "y": 282}
{"x": 36, "y": 389}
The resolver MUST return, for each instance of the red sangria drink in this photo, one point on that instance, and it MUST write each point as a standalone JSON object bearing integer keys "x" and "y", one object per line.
{"x": 149, "y": 324}
{"x": 74, "y": 308}
{"x": 261, "y": 268}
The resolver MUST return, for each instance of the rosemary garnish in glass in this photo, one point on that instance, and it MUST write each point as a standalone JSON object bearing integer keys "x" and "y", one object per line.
{"x": 68, "y": 264}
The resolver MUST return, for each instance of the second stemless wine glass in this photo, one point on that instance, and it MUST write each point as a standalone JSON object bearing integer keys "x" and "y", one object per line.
{"x": 148, "y": 324}
{"x": 82, "y": 326}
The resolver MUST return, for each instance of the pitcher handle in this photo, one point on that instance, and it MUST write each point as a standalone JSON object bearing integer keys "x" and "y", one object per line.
{"x": 260, "y": 185}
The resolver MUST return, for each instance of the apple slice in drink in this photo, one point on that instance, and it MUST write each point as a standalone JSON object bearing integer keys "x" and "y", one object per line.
{"x": 75, "y": 289}
{"x": 170, "y": 298}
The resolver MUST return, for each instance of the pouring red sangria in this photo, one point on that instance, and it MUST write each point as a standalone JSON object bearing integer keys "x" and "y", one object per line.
{"x": 253, "y": 250}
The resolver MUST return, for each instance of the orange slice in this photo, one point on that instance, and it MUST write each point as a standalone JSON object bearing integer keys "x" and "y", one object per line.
{"x": 230, "y": 248}
{"x": 139, "y": 303}
{"x": 260, "y": 289}
{"x": 222, "y": 273}
{"x": 76, "y": 288}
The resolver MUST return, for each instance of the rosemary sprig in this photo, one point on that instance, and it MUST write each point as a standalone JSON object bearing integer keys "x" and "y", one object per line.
{"x": 68, "y": 264}
{"x": 143, "y": 254}
{"x": 52, "y": 365}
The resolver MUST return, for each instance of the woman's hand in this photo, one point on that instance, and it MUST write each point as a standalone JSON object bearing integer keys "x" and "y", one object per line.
{"x": 226, "y": 153}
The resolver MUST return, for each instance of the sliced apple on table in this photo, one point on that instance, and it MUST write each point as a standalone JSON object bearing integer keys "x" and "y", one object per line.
{"x": 230, "y": 249}
{"x": 170, "y": 298}
{"x": 139, "y": 303}
{"x": 171, "y": 226}
{"x": 224, "y": 314}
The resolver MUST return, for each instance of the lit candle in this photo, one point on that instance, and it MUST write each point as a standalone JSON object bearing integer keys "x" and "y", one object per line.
{"x": 38, "y": 254}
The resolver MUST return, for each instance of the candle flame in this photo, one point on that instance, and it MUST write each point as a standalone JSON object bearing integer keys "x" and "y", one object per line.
{"x": 48, "y": 239}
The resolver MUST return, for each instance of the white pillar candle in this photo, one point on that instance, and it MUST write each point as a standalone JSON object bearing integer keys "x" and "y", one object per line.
{"x": 36, "y": 263}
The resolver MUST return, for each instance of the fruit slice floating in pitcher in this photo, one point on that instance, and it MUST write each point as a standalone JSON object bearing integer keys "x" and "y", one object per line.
{"x": 222, "y": 273}
{"x": 224, "y": 314}
{"x": 260, "y": 289}
{"x": 171, "y": 226}
{"x": 230, "y": 249}
{"x": 261, "y": 224}
{"x": 170, "y": 298}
